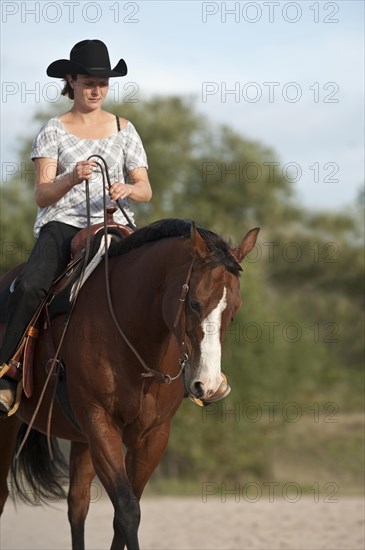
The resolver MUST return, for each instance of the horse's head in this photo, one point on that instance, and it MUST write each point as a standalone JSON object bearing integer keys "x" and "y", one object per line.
{"x": 211, "y": 301}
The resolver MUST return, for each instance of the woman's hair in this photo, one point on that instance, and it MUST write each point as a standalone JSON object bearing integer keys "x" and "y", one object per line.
{"x": 67, "y": 90}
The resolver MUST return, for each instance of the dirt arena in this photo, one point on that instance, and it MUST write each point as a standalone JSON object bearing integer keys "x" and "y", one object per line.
{"x": 188, "y": 523}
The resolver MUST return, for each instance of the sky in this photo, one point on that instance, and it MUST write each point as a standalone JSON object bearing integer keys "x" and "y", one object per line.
{"x": 289, "y": 75}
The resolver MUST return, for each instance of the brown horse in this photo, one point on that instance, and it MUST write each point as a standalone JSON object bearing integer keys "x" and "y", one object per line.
{"x": 175, "y": 289}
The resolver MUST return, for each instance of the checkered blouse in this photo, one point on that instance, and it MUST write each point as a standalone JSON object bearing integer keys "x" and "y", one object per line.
{"x": 122, "y": 152}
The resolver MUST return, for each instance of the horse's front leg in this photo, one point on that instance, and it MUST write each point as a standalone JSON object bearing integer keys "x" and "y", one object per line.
{"x": 105, "y": 443}
{"x": 81, "y": 475}
{"x": 143, "y": 458}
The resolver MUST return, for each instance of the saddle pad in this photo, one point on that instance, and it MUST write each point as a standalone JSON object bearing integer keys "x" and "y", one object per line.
{"x": 61, "y": 302}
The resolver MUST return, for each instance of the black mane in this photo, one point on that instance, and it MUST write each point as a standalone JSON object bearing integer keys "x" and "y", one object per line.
{"x": 171, "y": 227}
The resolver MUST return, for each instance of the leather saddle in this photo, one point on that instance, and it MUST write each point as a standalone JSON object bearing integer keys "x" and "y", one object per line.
{"x": 78, "y": 248}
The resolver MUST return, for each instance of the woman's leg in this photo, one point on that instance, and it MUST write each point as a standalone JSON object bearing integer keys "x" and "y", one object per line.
{"x": 47, "y": 260}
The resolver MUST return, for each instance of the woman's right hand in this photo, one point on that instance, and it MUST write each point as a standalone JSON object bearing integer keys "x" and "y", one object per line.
{"x": 49, "y": 188}
{"x": 83, "y": 171}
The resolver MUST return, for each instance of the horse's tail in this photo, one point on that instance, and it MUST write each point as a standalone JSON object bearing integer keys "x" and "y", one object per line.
{"x": 36, "y": 478}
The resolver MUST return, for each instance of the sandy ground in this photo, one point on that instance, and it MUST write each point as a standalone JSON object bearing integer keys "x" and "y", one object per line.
{"x": 189, "y": 523}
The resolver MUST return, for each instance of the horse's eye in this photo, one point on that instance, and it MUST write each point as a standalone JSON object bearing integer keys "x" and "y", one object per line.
{"x": 195, "y": 306}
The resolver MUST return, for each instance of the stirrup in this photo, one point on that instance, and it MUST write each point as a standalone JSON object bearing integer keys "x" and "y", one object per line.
{"x": 16, "y": 403}
{"x": 222, "y": 392}
{"x": 18, "y": 393}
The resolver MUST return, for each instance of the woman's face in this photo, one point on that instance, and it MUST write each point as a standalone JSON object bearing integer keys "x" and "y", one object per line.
{"x": 89, "y": 91}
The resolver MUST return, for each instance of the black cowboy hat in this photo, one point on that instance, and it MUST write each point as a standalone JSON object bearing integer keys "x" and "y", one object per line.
{"x": 89, "y": 57}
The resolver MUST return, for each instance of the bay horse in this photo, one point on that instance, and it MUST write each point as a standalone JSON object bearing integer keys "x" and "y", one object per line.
{"x": 175, "y": 289}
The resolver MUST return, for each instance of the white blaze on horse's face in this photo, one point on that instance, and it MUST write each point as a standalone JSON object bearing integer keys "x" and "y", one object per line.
{"x": 208, "y": 374}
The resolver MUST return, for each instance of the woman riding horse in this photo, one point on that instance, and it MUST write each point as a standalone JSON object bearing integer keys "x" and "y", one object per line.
{"x": 59, "y": 152}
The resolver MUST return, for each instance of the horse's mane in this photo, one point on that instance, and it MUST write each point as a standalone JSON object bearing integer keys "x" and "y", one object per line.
{"x": 171, "y": 227}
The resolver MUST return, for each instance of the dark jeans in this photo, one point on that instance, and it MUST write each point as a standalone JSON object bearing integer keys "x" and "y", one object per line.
{"x": 48, "y": 258}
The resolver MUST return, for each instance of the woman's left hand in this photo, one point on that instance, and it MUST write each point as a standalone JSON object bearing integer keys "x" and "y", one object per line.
{"x": 120, "y": 191}
{"x": 139, "y": 190}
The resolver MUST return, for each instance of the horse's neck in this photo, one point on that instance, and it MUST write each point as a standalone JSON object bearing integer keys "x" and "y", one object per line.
{"x": 152, "y": 278}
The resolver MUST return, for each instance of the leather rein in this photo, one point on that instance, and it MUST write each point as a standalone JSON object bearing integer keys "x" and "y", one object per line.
{"x": 184, "y": 358}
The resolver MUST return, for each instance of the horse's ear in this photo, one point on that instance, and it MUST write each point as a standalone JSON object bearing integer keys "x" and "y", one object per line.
{"x": 199, "y": 244}
{"x": 246, "y": 245}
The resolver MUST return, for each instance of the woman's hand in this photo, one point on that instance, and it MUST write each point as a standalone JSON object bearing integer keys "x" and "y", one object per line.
{"x": 46, "y": 191}
{"x": 120, "y": 191}
{"x": 82, "y": 171}
{"x": 139, "y": 190}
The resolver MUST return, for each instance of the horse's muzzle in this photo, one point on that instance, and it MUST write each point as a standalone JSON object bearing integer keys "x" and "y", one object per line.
{"x": 202, "y": 391}
{"x": 197, "y": 389}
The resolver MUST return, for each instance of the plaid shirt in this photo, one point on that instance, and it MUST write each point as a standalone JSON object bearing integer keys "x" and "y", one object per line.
{"x": 122, "y": 152}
